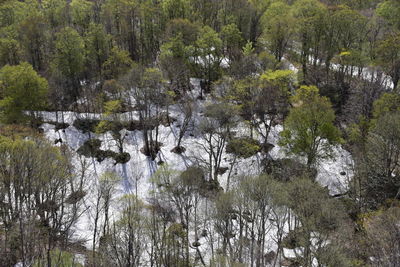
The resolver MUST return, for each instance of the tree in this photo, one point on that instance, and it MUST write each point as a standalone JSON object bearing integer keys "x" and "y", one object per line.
{"x": 174, "y": 59}
{"x": 173, "y": 9}
{"x": 309, "y": 20}
{"x": 42, "y": 199}
{"x": 232, "y": 41}
{"x": 121, "y": 20}
{"x": 81, "y": 13}
{"x": 389, "y": 57}
{"x": 344, "y": 33}
{"x": 22, "y": 89}
{"x": 388, "y": 10}
{"x": 319, "y": 227}
{"x": 10, "y": 51}
{"x": 309, "y": 130}
{"x": 34, "y": 39}
{"x": 97, "y": 47}
{"x": 69, "y": 59}
{"x": 118, "y": 63}
{"x": 112, "y": 122}
{"x": 150, "y": 96}
{"x": 387, "y": 103}
{"x": 382, "y": 235}
{"x": 278, "y": 25}
{"x": 215, "y": 131}
{"x": 125, "y": 245}
{"x": 381, "y": 161}
{"x": 186, "y": 106}
{"x": 208, "y": 56}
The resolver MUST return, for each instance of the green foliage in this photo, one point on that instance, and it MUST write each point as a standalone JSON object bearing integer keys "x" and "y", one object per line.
{"x": 81, "y": 13}
{"x": 69, "y": 57}
{"x": 175, "y": 8}
{"x": 118, "y": 63}
{"x": 389, "y": 10}
{"x": 380, "y": 179}
{"x": 279, "y": 78}
{"x": 387, "y": 103}
{"x": 309, "y": 130}
{"x": 55, "y": 11}
{"x": 22, "y": 89}
{"x": 10, "y": 51}
{"x": 232, "y": 39}
{"x": 248, "y": 49}
{"x": 388, "y": 52}
{"x": 279, "y": 26}
{"x": 97, "y": 45}
{"x": 224, "y": 113}
{"x": 243, "y": 147}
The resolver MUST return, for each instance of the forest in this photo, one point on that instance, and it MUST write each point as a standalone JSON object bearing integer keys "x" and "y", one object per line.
{"x": 185, "y": 133}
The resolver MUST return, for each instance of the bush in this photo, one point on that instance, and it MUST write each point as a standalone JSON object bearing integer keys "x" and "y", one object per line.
{"x": 89, "y": 148}
{"x": 287, "y": 169}
{"x": 122, "y": 158}
{"x": 60, "y": 126}
{"x": 86, "y": 125}
{"x": 243, "y": 147}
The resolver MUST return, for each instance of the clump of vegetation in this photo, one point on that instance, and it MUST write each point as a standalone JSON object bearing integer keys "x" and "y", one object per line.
{"x": 243, "y": 147}
{"x": 86, "y": 125}
{"x": 91, "y": 148}
{"x": 60, "y": 126}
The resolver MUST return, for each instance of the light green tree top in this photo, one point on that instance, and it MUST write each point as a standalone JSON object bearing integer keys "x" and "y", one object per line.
{"x": 21, "y": 89}
{"x": 309, "y": 130}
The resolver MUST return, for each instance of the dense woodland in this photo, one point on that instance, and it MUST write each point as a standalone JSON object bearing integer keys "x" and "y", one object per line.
{"x": 326, "y": 71}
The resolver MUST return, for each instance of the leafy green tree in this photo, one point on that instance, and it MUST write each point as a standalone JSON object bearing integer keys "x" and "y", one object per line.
{"x": 35, "y": 39}
{"x": 278, "y": 24}
{"x": 387, "y": 103}
{"x": 389, "y": 57}
{"x": 208, "y": 56}
{"x": 22, "y": 89}
{"x": 69, "y": 59}
{"x": 345, "y": 32}
{"x": 117, "y": 64}
{"x": 56, "y": 12}
{"x": 174, "y": 60}
{"x": 309, "y": 130}
{"x": 81, "y": 13}
{"x": 174, "y": 9}
{"x": 97, "y": 47}
{"x": 121, "y": 20}
{"x": 10, "y": 51}
{"x": 380, "y": 162}
{"x": 184, "y": 29}
{"x": 389, "y": 10}
{"x": 232, "y": 41}
{"x": 309, "y": 25}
